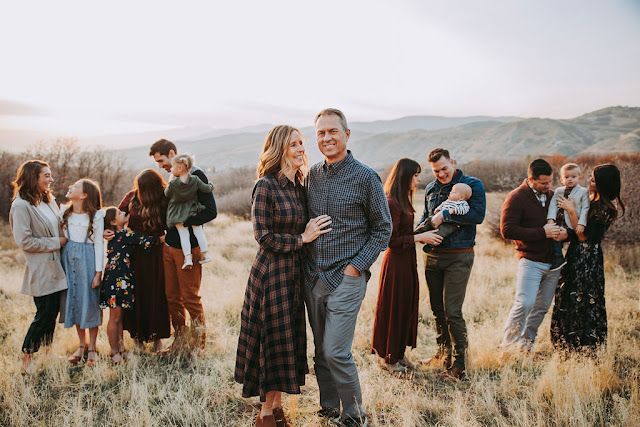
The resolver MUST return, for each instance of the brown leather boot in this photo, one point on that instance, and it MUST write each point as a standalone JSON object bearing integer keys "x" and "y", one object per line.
{"x": 266, "y": 421}
{"x": 441, "y": 358}
{"x": 280, "y": 417}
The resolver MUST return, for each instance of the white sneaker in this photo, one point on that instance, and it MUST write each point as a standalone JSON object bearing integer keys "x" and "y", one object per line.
{"x": 206, "y": 258}
{"x": 188, "y": 263}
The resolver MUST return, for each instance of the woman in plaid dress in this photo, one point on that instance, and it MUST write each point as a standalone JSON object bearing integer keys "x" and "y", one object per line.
{"x": 272, "y": 349}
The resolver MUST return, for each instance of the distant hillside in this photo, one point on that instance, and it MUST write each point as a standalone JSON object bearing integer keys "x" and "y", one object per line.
{"x": 380, "y": 143}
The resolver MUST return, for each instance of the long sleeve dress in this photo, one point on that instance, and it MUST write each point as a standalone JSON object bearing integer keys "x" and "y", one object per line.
{"x": 119, "y": 282}
{"x": 148, "y": 318}
{"x": 579, "y": 318}
{"x": 272, "y": 346}
{"x": 396, "y": 320}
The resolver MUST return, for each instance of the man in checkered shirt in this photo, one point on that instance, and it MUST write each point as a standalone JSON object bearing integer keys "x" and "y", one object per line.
{"x": 338, "y": 262}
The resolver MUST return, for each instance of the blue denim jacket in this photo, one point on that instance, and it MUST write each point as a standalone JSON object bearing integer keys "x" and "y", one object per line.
{"x": 436, "y": 193}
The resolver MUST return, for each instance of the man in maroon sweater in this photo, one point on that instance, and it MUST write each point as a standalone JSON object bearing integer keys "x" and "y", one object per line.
{"x": 523, "y": 220}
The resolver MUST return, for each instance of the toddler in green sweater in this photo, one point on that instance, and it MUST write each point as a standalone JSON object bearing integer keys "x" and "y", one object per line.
{"x": 182, "y": 195}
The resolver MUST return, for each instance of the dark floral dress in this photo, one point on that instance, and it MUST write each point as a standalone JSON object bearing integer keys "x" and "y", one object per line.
{"x": 272, "y": 346}
{"x": 579, "y": 319}
{"x": 118, "y": 280}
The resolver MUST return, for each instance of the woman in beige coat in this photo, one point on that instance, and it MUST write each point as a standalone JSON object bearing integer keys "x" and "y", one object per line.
{"x": 35, "y": 224}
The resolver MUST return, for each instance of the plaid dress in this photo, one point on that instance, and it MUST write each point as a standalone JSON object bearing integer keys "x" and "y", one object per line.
{"x": 272, "y": 347}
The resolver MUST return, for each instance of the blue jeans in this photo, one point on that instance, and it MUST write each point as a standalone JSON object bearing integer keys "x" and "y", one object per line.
{"x": 535, "y": 288}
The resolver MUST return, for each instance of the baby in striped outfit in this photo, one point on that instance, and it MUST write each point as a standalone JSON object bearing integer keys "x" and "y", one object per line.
{"x": 456, "y": 204}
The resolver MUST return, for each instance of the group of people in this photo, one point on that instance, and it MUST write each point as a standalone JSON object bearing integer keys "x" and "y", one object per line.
{"x": 155, "y": 248}
{"x": 319, "y": 230}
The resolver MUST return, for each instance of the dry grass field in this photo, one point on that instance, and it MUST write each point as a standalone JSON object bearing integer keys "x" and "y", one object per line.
{"x": 541, "y": 390}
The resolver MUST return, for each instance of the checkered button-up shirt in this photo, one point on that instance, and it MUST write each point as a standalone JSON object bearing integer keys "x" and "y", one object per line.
{"x": 351, "y": 194}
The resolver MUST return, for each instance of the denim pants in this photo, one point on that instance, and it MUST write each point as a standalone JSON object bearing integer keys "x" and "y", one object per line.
{"x": 535, "y": 288}
{"x": 447, "y": 276}
{"x": 332, "y": 316}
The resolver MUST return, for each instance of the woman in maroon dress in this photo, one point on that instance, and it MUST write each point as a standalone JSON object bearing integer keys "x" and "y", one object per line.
{"x": 148, "y": 319}
{"x": 396, "y": 321}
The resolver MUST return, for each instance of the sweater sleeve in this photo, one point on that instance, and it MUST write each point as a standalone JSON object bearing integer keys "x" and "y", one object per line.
{"x": 510, "y": 219}
{"x": 584, "y": 208}
{"x": 207, "y": 200}
{"x": 203, "y": 187}
{"x": 552, "y": 213}
{"x": 262, "y": 218}
{"x": 98, "y": 239}
{"x": 398, "y": 241}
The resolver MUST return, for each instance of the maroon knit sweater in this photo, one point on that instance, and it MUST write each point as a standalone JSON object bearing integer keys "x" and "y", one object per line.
{"x": 522, "y": 220}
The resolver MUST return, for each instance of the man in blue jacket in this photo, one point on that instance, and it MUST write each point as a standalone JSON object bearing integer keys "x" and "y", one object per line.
{"x": 448, "y": 265}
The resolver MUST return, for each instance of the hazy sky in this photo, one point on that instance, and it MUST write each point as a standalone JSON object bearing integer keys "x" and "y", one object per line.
{"x": 94, "y": 65}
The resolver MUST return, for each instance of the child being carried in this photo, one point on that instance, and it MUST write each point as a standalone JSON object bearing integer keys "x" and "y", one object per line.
{"x": 456, "y": 204}
{"x": 569, "y": 177}
{"x": 182, "y": 195}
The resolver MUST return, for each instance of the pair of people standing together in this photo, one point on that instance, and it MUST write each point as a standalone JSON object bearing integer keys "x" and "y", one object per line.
{"x": 319, "y": 234}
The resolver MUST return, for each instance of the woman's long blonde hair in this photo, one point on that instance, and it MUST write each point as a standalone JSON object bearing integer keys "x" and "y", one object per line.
{"x": 274, "y": 150}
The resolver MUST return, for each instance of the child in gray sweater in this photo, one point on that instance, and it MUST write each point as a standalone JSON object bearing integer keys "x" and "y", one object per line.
{"x": 182, "y": 195}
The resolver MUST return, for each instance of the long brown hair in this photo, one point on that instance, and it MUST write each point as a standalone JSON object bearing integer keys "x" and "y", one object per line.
{"x": 398, "y": 183}
{"x": 274, "y": 150}
{"x": 110, "y": 216}
{"x": 149, "y": 199}
{"x": 90, "y": 205}
{"x": 25, "y": 184}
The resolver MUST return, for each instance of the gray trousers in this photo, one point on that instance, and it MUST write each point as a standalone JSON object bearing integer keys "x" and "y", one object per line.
{"x": 332, "y": 316}
{"x": 535, "y": 288}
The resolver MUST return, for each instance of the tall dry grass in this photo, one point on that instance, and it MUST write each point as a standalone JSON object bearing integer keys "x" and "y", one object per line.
{"x": 542, "y": 390}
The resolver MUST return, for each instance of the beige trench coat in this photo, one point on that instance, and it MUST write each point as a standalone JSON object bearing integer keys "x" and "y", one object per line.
{"x": 40, "y": 242}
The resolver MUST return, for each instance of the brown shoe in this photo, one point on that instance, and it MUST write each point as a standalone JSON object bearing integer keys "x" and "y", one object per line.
{"x": 453, "y": 374}
{"x": 266, "y": 421}
{"x": 280, "y": 417}
{"x": 441, "y": 358}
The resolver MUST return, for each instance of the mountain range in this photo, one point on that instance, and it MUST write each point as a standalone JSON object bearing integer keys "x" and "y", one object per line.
{"x": 380, "y": 143}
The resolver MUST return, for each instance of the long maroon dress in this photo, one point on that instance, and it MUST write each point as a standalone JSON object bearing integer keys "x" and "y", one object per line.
{"x": 396, "y": 322}
{"x": 148, "y": 319}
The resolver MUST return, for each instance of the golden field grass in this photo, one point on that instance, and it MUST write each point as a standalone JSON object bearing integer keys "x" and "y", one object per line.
{"x": 541, "y": 390}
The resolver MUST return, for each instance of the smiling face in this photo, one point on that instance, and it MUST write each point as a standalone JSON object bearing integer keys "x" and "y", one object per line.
{"x": 164, "y": 160}
{"x": 295, "y": 151}
{"x": 542, "y": 184}
{"x": 75, "y": 192}
{"x": 443, "y": 169}
{"x": 332, "y": 138}
{"x": 45, "y": 179}
{"x": 121, "y": 219}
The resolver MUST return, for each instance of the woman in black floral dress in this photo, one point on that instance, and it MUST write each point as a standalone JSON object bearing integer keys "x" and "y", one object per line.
{"x": 579, "y": 320}
{"x": 118, "y": 281}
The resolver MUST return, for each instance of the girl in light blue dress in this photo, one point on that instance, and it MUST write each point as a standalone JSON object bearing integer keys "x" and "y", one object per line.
{"x": 82, "y": 258}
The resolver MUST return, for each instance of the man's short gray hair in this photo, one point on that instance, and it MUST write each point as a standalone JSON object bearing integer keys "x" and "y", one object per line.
{"x": 333, "y": 112}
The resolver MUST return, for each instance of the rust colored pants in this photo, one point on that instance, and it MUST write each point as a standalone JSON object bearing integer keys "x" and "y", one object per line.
{"x": 183, "y": 288}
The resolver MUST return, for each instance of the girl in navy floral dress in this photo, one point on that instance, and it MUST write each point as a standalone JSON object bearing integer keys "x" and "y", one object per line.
{"x": 118, "y": 282}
